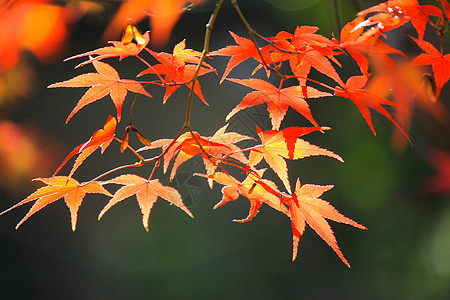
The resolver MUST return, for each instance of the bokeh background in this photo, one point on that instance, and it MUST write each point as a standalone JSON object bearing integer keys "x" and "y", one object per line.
{"x": 402, "y": 197}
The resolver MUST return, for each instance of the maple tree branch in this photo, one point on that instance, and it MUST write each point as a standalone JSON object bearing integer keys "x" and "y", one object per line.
{"x": 444, "y": 13}
{"x": 209, "y": 28}
{"x": 251, "y": 31}
{"x": 187, "y": 125}
{"x": 151, "y": 67}
{"x": 112, "y": 171}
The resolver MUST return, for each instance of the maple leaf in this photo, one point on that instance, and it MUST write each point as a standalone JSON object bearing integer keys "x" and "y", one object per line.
{"x": 147, "y": 192}
{"x": 278, "y": 100}
{"x": 255, "y": 189}
{"x": 219, "y": 146}
{"x": 305, "y": 36}
{"x": 276, "y": 146}
{"x": 357, "y": 45}
{"x": 100, "y": 139}
{"x": 163, "y": 14}
{"x": 395, "y": 13}
{"x": 177, "y": 71}
{"x": 309, "y": 50}
{"x": 365, "y": 99}
{"x": 244, "y": 50}
{"x": 120, "y": 49}
{"x": 305, "y": 206}
{"x": 409, "y": 88}
{"x": 105, "y": 82}
{"x": 57, "y": 188}
{"x": 439, "y": 62}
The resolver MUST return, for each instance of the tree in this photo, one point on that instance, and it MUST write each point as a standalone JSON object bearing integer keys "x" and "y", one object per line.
{"x": 363, "y": 39}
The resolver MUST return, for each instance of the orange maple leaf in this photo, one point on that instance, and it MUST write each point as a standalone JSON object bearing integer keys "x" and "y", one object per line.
{"x": 105, "y": 82}
{"x": 58, "y": 187}
{"x": 146, "y": 191}
{"x": 276, "y": 146}
{"x": 179, "y": 68}
{"x": 100, "y": 139}
{"x": 255, "y": 189}
{"x": 278, "y": 100}
{"x": 120, "y": 49}
{"x": 305, "y": 206}
{"x": 163, "y": 14}
{"x": 219, "y": 146}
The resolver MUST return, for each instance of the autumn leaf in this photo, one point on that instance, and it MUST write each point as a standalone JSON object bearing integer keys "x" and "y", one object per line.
{"x": 278, "y": 100}
{"x": 305, "y": 206}
{"x": 395, "y": 13}
{"x": 120, "y": 49}
{"x": 309, "y": 50}
{"x": 213, "y": 149}
{"x": 254, "y": 188}
{"x": 439, "y": 62}
{"x": 365, "y": 99}
{"x": 276, "y": 146}
{"x": 57, "y": 188}
{"x": 163, "y": 14}
{"x": 410, "y": 88}
{"x": 179, "y": 69}
{"x": 358, "y": 45}
{"x": 244, "y": 50}
{"x": 100, "y": 139}
{"x": 146, "y": 191}
{"x": 105, "y": 82}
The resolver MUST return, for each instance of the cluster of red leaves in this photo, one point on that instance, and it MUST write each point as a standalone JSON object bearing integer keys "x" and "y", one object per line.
{"x": 303, "y": 50}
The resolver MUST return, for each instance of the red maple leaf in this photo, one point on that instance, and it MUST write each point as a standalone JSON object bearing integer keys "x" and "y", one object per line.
{"x": 305, "y": 206}
{"x": 278, "y": 100}
{"x": 244, "y": 50}
{"x": 252, "y": 187}
{"x": 410, "y": 88}
{"x": 395, "y": 13}
{"x": 100, "y": 139}
{"x": 147, "y": 192}
{"x": 365, "y": 99}
{"x": 309, "y": 49}
{"x": 59, "y": 187}
{"x": 439, "y": 62}
{"x": 179, "y": 69}
{"x": 276, "y": 146}
{"x": 358, "y": 45}
{"x": 105, "y": 82}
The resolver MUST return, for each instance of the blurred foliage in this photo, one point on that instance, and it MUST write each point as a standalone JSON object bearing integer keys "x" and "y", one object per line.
{"x": 403, "y": 255}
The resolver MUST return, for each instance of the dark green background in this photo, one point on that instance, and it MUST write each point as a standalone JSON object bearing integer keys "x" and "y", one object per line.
{"x": 404, "y": 254}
